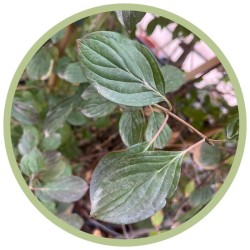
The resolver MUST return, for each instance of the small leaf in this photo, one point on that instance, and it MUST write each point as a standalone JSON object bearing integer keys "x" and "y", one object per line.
{"x": 66, "y": 189}
{"x": 76, "y": 118}
{"x": 61, "y": 65}
{"x": 131, "y": 127}
{"x": 132, "y": 185}
{"x": 40, "y": 65}
{"x": 24, "y": 112}
{"x": 73, "y": 73}
{"x": 29, "y": 140}
{"x": 51, "y": 142}
{"x": 209, "y": 155}
{"x": 94, "y": 105}
{"x": 200, "y": 196}
{"x": 154, "y": 123}
{"x": 129, "y": 19}
{"x": 73, "y": 220}
{"x": 157, "y": 219}
{"x": 173, "y": 77}
{"x": 57, "y": 115}
{"x": 232, "y": 127}
{"x": 32, "y": 162}
{"x": 122, "y": 71}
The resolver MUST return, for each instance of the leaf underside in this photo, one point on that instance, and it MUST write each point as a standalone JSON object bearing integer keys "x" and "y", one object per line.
{"x": 131, "y": 185}
{"x": 122, "y": 71}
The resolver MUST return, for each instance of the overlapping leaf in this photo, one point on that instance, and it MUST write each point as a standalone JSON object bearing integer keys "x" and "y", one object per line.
{"x": 95, "y": 105}
{"x": 131, "y": 127}
{"x": 122, "y": 71}
{"x": 131, "y": 185}
{"x": 154, "y": 123}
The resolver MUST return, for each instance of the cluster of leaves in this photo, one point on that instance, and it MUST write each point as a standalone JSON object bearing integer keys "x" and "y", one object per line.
{"x": 61, "y": 92}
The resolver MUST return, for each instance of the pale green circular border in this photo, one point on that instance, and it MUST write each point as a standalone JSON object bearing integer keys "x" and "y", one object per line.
{"x": 217, "y": 196}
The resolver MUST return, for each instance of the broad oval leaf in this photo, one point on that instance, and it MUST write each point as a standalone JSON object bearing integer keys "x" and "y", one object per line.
{"x": 131, "y": 127}
{"x": 94, "y": 105}
{"x": 129, "y": 19}
{"x": 51, "y": 142}
{"x": 174, "y": 78}
{"x": 131, "y": 185}
{"x": 40, "y": 65}
{"x": 73, "y": 73}
{"x": 122, "y": 71}
{"x": 209, "y": 155}
{"x": 154, "y": 123}
{"x": 66, "y": 189}
{"x": 33, "y": 162}
{"x": 29, "y": 140}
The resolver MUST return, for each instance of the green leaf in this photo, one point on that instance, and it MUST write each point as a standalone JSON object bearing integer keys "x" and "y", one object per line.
{"x": 122, "y": 71}
{"x": 51, "y": 142}
{"x": 94, "y": 105}
{"x": 132, "y": 185}
{"x": 66, "y": 189}
{"x": 201, "y": 196}
{"x": 54, "y": 166}
{"x": 24, "y": 112}
{"x": 76, "y": 118}
{"x": 131, "y": 127}
{"x": 161, "y": 21}
{"x": 129, "y": 19}
{"x": 61, "y": 65}
{"x": 232, "y": 127}
{"x": 154, "y": 123}
{"x": 32, "y": 162}
{"x": 73, "y": 220}
{"x": 173, "y": 77}
{"x": 57, "y": 115}
{"x": 29, "y": 140}
{"x": 40, "y": 65}
{"x": 209, "y": 155}
{"x": 73, "y": 73}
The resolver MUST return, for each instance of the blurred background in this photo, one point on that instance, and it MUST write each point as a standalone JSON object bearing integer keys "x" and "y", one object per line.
{"x": 206, "y": 100}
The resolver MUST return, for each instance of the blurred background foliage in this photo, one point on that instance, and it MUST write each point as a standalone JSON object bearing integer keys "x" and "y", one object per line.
{"x": 58, "y": 138}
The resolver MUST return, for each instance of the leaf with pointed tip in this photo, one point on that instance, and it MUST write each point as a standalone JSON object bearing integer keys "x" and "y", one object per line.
{"x": 131, "y": 185}
{"x": 131, "y": 127}
{"x": 57, "y": 115}
{"x": 40, "y": 65}
{"x": 173, "y": 77}
{"x": 94, "y": 105}
{"x": 73, "y": 220}
{"x": 122, "y": 71}
{"x": 154, "y": 123}
{"x": 29, "y": 140}
{"x": 73, "y": 73}
{"x": 33, "y": 162}
{"x": 65, "y": 189}
{"x": 129, "y": 19}
{"x": 232, "y": 127}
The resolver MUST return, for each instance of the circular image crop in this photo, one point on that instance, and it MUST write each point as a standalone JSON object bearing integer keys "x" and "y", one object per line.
{"x": 122, "y": 125}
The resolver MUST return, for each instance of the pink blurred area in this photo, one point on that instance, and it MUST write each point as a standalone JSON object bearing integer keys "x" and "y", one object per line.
{"x": 163, "y": 46}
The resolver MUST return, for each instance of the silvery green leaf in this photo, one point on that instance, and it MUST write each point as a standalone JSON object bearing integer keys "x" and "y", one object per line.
{"x": 40, "y": 65}
{"x": 73, "y": 73}
{"x": 94, "y": 105}
{"x": 51, "y": 142}
{"x": 174, "y": 78}
{"x": 131, "y": 185}
{"x": 65, "y": 189}
{"x": 122, "y": 71}
{"x": 29, "y": 140}
{"x": 73, "y": 220}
